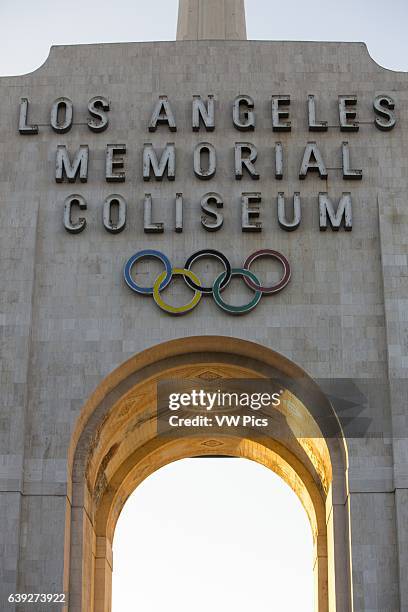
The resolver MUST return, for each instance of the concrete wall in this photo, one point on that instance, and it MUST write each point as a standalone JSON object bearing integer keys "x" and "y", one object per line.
{"x": 67, "y": 319}
{"x": 211, "y": 19}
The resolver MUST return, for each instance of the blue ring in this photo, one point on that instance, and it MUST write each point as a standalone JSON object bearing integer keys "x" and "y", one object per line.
{"x": 141, "y": 255}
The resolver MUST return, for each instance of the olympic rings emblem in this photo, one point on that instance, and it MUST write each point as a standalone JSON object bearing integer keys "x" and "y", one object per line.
{"x": 194, "y": 283}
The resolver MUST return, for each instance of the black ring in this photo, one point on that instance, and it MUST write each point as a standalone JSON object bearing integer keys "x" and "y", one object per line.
{"x": 208, "y": 253}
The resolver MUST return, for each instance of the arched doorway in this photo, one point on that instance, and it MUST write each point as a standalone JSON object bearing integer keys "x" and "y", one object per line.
{"x": 115, "y": 447}
{"x": 228, "y": 530}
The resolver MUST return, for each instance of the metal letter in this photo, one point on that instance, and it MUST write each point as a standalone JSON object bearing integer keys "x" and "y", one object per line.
{"x": 248, "y": 161}
{"x": 312, "y": 160}
{"x": 244, "y": 121}
{"x": 62, "y": 115}
{"x": 167, "y": 160}
{"x": 278, "y": 114}
{"x": 162, "y": 113}
{"x": 179, "y": 213}
{"x": 113, "y": 164}
{"x": 349, "y": 173}
{"x": 346, "y": 114}
{"x": 209, "y": 172}
{"x": 278, "y": 161}
{"x": 23, "y": 126}
{"x": 79, "y": 166}
{"x": 250, "y": 210}
{"x": 289, "y": 226}
{"x": 207, "y": 203}
{"x": 384, "y": 106}
{"x": 114, "y": 226}
{"x": 315, "y": 126}
{"x": 343, "y": 214}
{"x": 74, "y": 227}
{"x": 206, "y": 113}
{"x": 97, "y": 108}
{"x": 149, "y": 227}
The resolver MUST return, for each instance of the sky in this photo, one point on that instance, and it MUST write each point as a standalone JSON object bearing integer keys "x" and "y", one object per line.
{"x": 213, "y": 534}
{"x": 30, "y": 28}
{"x": 228, "y": 531}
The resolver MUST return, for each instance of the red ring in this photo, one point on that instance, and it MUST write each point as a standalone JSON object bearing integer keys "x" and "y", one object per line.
{"x": 283, "y": 281}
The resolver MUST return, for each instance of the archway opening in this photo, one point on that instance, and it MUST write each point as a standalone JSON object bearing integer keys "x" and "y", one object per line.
{"x": 213, "y": 533}
{"x": 117, "y": 445}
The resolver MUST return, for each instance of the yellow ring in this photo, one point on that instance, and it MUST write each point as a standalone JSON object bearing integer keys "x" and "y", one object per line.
{"x": 176, "y": 310}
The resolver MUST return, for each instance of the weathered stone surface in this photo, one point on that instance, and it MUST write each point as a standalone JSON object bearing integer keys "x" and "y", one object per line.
{"x": 211, "y": 20}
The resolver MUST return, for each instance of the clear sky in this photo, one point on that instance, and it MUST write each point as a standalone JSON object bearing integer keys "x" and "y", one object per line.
{"x": 213, "y": 534}
{"x": 206, "y": 534}
{"x": 30, "y": 28}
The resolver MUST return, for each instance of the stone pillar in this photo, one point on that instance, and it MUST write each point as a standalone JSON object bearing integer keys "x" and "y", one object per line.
{"x": 211, "y": 20}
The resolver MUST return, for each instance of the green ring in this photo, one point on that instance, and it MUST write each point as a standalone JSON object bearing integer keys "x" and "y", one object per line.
{"x": 237, "y": 310}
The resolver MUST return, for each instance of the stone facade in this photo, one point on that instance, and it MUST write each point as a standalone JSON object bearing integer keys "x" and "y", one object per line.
{"x": 67, "y": 319}
{"x": 211, "y": 20}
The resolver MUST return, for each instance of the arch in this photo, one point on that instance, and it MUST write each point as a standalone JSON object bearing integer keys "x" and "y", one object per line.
{"x": 115, "y": 446}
